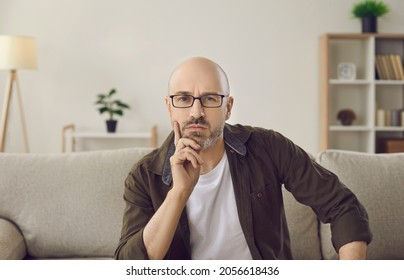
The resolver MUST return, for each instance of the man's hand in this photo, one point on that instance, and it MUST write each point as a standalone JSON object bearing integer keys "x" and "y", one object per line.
{"x": 185, "y": 163}
{"x": 185, "y": 168}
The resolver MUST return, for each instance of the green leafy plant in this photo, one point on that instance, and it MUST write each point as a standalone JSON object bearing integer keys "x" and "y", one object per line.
{"x": 112, "y": 106}
{"x": 370, "y": 8}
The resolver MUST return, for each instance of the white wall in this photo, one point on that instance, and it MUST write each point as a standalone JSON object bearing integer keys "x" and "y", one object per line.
{"x": 269, "y": 50}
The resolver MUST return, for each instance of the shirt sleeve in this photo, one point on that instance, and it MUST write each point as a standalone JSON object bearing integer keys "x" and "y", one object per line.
{"x": 138, "y": 212}
{"x": 317, "y": 187}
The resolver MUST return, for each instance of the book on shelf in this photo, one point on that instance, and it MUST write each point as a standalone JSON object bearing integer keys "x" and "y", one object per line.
{"x": 399, "y": 64}
{"x": 380, "y": 68}
{"x": 389, "y": 67}
{"x": 390, "y": 71}
{"x": 394, "y": 66}
{"x": 385, "y": 67}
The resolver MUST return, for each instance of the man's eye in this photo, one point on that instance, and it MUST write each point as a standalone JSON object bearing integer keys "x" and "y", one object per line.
{"x": 211, "y": 98}
{"x": 183, "y": 98}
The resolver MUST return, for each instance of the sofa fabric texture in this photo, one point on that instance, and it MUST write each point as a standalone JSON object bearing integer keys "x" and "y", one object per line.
{"x": 71, "y": 205}
{"x": 12, "y": 244}
{"x": 303, "y": 226}
{"x": 378, "y": 182}
{"x": 66, "y": 205}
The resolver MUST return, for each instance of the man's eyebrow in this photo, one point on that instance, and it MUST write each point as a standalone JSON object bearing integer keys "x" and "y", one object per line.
{"x": 183, "y": 93}
{"x": 190, "y": 93}
{"x": 209, "y": 92}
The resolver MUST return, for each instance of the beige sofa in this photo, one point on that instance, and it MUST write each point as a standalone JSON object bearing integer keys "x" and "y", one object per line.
{"x": 70, "y": 205}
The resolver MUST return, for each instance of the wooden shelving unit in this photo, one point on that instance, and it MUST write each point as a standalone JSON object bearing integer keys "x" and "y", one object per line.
{"x": 364, "y": 95}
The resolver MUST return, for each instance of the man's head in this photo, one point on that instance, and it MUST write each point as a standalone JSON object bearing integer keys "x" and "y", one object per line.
{"x": 200, "y": 119}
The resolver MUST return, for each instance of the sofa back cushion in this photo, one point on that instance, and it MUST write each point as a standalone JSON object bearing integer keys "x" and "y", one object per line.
{"x": 378, "y": 182}
{"x": 67, "y": 205}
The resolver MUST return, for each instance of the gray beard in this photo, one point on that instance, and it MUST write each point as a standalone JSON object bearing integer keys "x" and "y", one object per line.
{"x": 208, "y": 142}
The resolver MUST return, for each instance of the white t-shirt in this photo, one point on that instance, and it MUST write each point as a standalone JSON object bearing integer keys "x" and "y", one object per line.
{"x": 213, "y": 220}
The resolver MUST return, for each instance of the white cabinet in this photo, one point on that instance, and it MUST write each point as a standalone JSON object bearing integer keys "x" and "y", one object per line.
{"x": 364, "y": 95}
{"x": 103, "y": 140}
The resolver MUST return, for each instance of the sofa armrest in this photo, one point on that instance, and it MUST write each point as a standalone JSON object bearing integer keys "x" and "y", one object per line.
{"x": 12, "y": 244}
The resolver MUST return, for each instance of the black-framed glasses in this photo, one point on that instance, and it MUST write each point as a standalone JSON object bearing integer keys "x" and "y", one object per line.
{"x": 207, "y": 101}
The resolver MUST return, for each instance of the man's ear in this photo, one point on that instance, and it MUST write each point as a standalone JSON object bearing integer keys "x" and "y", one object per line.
{"x": 229, "y": 107}
{"x": 168, "y": 104}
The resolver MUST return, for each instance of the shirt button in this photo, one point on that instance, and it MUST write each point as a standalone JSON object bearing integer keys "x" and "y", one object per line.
{"x": 259, "y": 195}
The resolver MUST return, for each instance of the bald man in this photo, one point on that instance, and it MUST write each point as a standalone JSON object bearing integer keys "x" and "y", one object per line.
{"x": 213, "y": 190}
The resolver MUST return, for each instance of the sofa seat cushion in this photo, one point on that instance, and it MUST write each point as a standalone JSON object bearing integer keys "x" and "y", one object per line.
{"x": 378, "y": 182}
{"x": 66, "y": 205}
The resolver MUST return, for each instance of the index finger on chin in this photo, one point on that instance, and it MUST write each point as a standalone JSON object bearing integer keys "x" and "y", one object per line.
{"x": 177, "y": 132}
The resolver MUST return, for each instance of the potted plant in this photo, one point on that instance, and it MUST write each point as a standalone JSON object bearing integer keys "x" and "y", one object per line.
{"x": 368, "y": 11}
{"x": 113, "y": 107}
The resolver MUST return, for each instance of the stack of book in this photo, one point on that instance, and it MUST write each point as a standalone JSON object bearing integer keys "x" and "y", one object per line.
{"x": 385, "y": 117}
{"x": 389, "y": 67}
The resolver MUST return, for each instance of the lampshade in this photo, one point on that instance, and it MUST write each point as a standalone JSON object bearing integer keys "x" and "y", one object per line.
{"x": 17, "y": 52}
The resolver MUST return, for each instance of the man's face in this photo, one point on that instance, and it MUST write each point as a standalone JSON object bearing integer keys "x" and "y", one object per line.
{"x": 199, "y": 79}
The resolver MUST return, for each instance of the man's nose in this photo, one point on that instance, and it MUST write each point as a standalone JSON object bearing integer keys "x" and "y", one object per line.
{"x": 197, "y": 109}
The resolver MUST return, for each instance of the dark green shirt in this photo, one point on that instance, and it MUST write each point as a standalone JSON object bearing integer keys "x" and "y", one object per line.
{"x": 261, "y": 161}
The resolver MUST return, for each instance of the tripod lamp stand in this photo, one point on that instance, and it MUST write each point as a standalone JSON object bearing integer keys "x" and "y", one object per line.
{"x": 16, "y": 52}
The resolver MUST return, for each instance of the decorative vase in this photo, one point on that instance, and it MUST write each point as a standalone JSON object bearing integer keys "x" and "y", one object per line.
{"x": 111, "y": 125}
{"x": 369, "y": 25}
{"x": 346, "y": 116}
{"x": 346, "y": 122}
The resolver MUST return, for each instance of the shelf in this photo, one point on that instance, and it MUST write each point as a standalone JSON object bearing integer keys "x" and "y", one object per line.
{"x": 347, "y": 36}
{"x": 366, "y": 82}
{"x": 389, "y": 128}
{"x": 365, "y": 128}
{"x": 129, "y": 135}
{"x": 389, "y": 82}
{"x": 349, "y": 128}
{"x": 349, "y": 82}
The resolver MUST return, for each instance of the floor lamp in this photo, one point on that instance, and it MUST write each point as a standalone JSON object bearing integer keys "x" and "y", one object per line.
{"x": 16, "y": 52}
